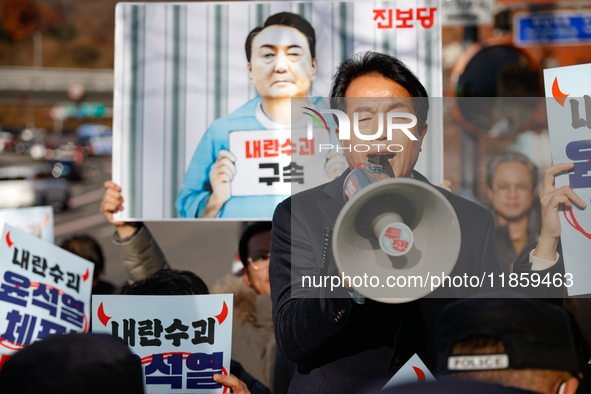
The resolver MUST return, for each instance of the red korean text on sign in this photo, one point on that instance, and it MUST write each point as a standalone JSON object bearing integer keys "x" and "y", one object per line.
{"x": 404, "y": 18}
{"x": 276, "y": 148}
{"x": 426, "y": 16}
{"x": 381, "y": 14}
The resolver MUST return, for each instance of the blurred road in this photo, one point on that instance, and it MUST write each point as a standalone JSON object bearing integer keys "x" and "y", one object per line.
{"x": 206, "y": 248}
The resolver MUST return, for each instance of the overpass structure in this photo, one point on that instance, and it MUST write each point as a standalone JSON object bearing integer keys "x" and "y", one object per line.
{"x": 50, "y": 85}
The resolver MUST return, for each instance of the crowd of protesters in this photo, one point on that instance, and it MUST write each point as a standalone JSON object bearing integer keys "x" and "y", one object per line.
{"x": 486, "y": 344}
{"x": 497, "y": 345}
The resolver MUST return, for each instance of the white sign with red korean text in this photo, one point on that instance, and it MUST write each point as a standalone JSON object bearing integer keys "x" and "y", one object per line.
{"x": 568, "y": 102}
{"x": 272, "y": 162}
{"x": 181, "y": 341}
{"x": 44, "y": 290}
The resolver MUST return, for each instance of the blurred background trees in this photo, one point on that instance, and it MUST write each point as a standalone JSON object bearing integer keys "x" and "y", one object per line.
{"x": 75, "y": 33}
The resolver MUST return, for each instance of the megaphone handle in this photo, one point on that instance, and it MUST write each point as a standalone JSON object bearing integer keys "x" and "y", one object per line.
{"x": 358, "y": 298}
{"x": 326, "y": 251}
{"x": 386, "y": 166}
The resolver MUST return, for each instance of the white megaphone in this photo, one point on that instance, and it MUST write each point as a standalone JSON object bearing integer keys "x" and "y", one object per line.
{"x": 400, "y": 230}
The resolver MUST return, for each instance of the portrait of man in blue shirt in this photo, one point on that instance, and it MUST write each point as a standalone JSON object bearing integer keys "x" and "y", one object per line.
{"x": 282, "y": 64}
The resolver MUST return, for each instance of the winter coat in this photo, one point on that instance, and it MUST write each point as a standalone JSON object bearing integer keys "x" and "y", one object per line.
{"x": 253, "y": 339}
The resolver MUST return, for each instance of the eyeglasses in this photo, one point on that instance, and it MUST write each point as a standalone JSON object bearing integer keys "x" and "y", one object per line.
{"x": 259, "y": 261}
{"x": 520, "y": 188}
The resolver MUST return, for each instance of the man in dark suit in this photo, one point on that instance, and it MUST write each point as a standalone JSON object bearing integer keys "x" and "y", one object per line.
{"x": 342, "y": 346}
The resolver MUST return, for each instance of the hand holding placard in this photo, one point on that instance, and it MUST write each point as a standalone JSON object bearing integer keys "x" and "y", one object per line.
{"x": 220, "y": 177}
{"x": 111, "y": 204}
{"x": 550, "y": 200}
{"x": 236, "y": 385}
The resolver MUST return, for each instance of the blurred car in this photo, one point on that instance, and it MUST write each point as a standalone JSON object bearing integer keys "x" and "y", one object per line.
{"x": 7, "y": 141}
{"x": 66, "y": 161}
{"x": 95, "y": 139}
{"x": 25, "y": 186}
{"x": 62, "y": 154}
{"x": 28, "y": 138}
{"x": 101, "y": 145}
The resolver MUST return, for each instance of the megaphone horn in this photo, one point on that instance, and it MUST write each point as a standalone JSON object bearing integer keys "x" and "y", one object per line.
{"x": 401, "y": 231}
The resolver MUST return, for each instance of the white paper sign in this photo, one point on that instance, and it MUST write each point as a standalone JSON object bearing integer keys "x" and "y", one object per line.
{"x": 413, "y": 371}
{"x": 181, "y": 341}
{"x": 278, "y": 162}
{"x": 44, "y": 290}
{"x": 569, "y": 122}
{"x": 37, "y": 221}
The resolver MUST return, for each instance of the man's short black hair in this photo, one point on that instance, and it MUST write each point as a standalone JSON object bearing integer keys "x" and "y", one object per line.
{"x": 284, "y": 19}
{"x": 168, "y": 282}
{"x": 251, "y": 231}
{"x": 368, "y": 63}
{"x": 88, "y": 248}
{"x": 73, "y": 363}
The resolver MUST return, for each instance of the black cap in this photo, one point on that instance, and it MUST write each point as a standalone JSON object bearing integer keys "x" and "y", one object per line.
{"x": 535, "y": 335}
{"x": 73, "y": 363}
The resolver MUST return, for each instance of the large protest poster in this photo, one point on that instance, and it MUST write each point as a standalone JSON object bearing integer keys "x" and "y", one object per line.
{"x": 181, "y": 341}
{"x": 44, "y": 290}
{"x": 181, "y": 67}
{"x": 568, "y": 104}
{"x": 37, "y": 221}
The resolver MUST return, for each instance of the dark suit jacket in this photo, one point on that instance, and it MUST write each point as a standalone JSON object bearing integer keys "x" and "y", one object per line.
{"x": 506, "y": 251}
{"x": 522, "y": 265}
{"x": 341, "y": 346}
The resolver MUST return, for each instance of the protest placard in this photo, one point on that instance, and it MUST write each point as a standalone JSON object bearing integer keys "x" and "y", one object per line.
{"x": 279, "y": 162}
{"x": 568, "y": 104}
{"x": 37, "y": 221}
{"x": 184, "y": 85}
{"x": 181, "y": 341}
{"x": 44, "y": 290}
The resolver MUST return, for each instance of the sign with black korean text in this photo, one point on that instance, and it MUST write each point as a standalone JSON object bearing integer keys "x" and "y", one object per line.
{"x": 181, "y": 341}
{"x": 44, "y": 290}
{"x": 568, "y": 102}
